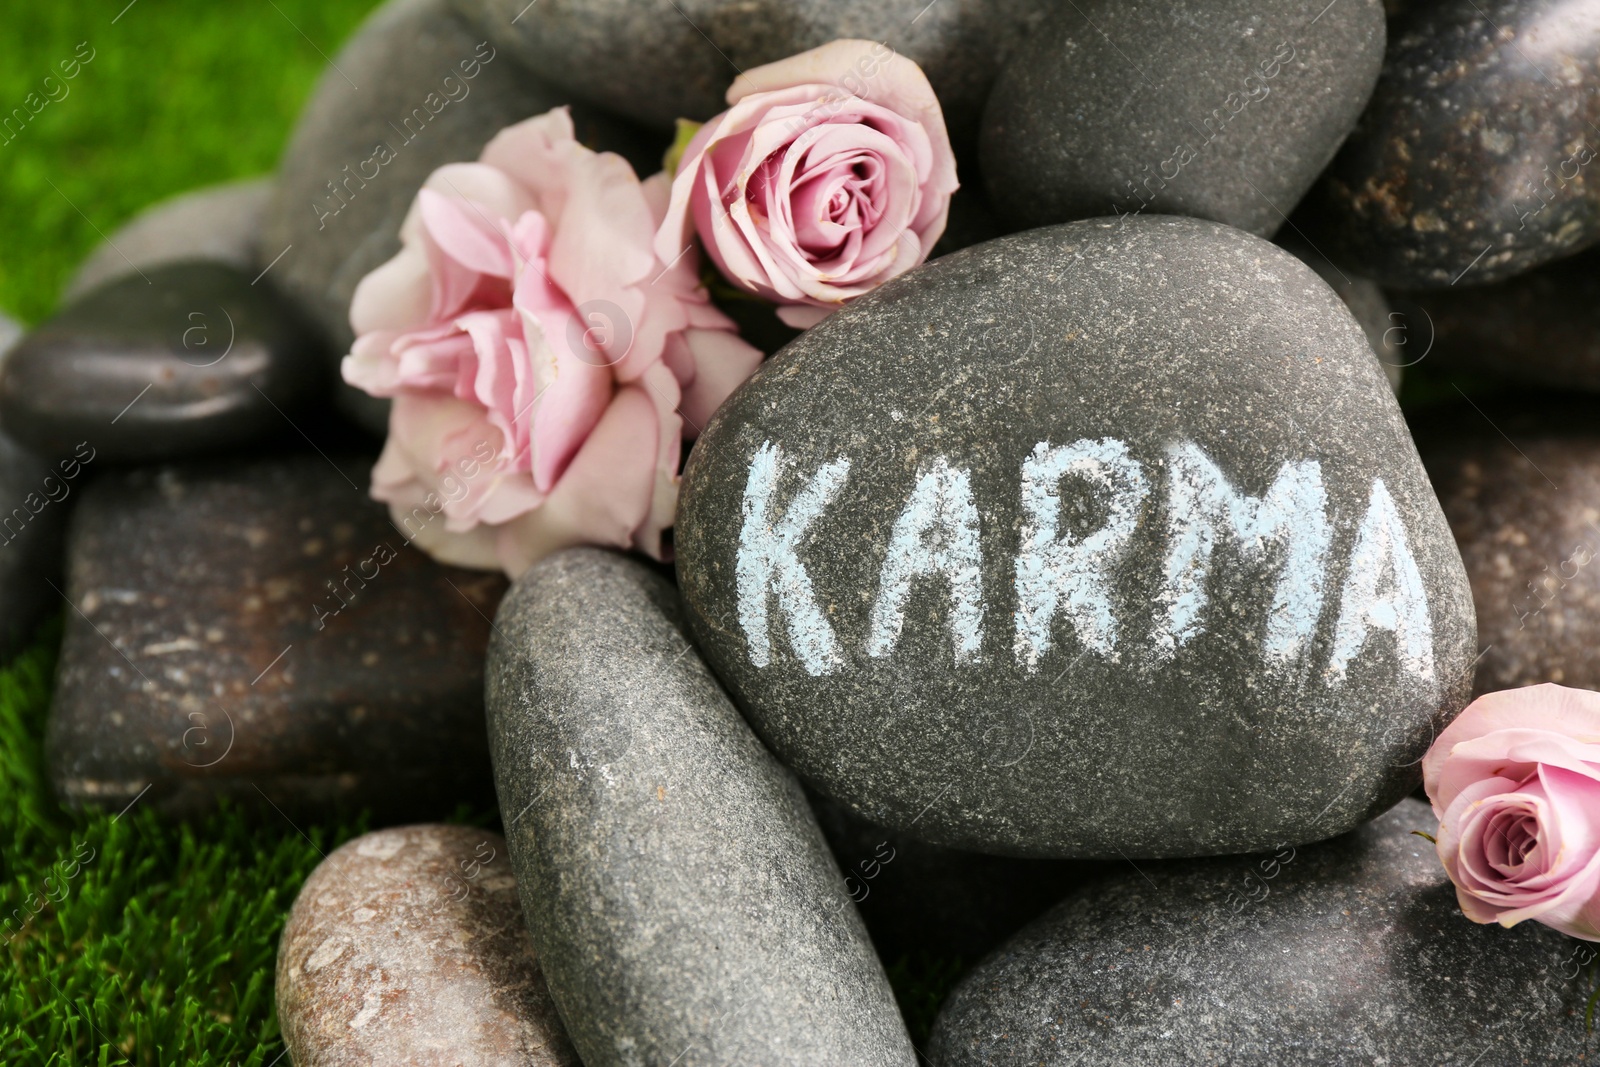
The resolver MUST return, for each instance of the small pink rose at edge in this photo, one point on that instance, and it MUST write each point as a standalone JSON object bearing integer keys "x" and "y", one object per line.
{"x": 544, "y": 365}
{"x": 1515, "y": 783}
{"x": 830, "y": 174}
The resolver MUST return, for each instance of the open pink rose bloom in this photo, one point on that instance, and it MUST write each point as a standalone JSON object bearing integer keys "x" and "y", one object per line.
{"x": 545, "y": 365}
{"x": 1515, "y": 782}
{"x": 830, "y": 173}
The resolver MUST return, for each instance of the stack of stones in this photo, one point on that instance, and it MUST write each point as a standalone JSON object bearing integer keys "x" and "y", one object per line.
{"x": 1074, "y": 609}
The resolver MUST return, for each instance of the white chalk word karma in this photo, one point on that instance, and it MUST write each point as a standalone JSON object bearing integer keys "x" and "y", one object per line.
{"x": 1063, "y": 581}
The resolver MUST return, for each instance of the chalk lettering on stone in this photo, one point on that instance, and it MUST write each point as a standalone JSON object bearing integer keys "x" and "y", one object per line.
{"x": 1063, "y": 578}
{"x": 1057, "y": 573}
{"x": 1383, "y": 590}
{"x": 1202, "y": 506}
{"x": 936, "y": 534}
{"x": 768, "y": 563}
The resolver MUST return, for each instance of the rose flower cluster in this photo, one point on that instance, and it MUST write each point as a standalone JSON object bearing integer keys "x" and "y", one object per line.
{"x": 545, "y": 324}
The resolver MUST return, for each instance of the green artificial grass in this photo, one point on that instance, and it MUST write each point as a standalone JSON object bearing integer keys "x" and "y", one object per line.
{"x": 127, "y": 938}
{"x": 178, "y": 94}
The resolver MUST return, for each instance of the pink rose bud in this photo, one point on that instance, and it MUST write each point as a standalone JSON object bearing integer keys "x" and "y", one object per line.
{"x": 1515, "y": 782}
{"x": 830, "y": 173}
{"x": 545, "y": 366}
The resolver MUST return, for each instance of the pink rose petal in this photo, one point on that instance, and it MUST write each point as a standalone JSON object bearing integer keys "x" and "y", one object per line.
{"x": 537, "y": 350}
{"x": 830, "y": 173}
{"x": 1515, "y": 782}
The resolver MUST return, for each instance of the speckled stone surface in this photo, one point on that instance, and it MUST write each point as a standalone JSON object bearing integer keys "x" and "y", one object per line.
{"x": 684, "y": 904}
{"x": 1540, "y": 328}
{"x": 660, "y": 60}
{"x": 1475, "y": 159}
{"x": 186, "y": 359}
{"x": 1100, "y": 538}
{"x": 261, "y": 630}
{"x": 921, "y": 900}
{"x": 1526, "y": 513}
{"x": 1220, "y": 109}
{"x": 340, "y": 200}
{"x": 1349, "y": 953}
{"x": 406, "y": 946}
{"x": 1371, "y": 309}
{"x": 1387, "y": 333}
{"x": 221, "y": 223}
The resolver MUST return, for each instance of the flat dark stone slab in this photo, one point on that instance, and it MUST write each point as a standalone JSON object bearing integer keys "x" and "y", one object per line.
{"x": 1539, "y": 328}
{"x": 262, "y": 632}
{"x": 35, "y": 495}
{"x": 1520, "y": 483}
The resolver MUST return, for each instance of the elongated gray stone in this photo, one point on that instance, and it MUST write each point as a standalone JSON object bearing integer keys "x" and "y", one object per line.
{"x": 684, "y": 904}
{"x": 406, "y": 946}
{"x": 1351, "y": 952}
{"x": 1096, "y": 539}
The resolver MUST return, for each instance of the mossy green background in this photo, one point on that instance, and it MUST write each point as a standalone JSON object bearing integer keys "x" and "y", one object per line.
{"x": 131, "y": 939}
{"x": 179, "y": 94}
